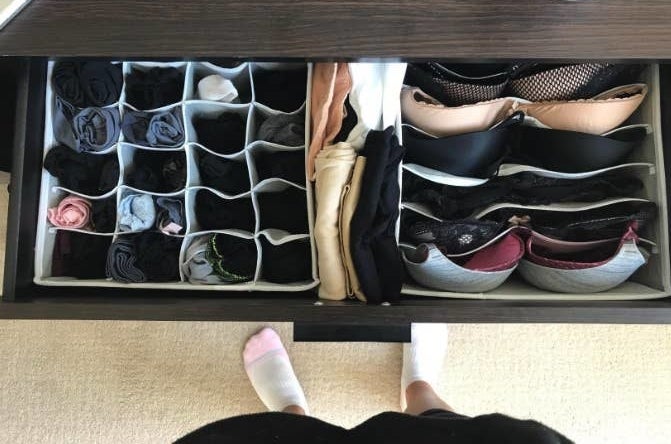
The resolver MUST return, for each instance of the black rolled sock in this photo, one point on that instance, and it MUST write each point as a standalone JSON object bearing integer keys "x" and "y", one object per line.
{"x": 232, "y": 258}
{"x": 285, "y": 210}
{"x": 283, "y": 90}
{"x": 287, "y": 165}
{"x": 224, "y": 134}
{"x": 159, "y": 172}
{"x": 215, "y": 213}
{"x": 154, "y": 88}
{"x": 103, "y": 215}
{"x": 286, "y": 263}
{"x": 81, "y": 172}
{"x": 227, "y": 176}
{"x": 158, "y": 256}
{"x": 85, "y": 84}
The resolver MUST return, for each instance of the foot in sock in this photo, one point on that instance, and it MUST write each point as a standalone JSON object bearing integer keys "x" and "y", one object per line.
{"x": 269, "y": 370}
{"x": 423, "y": 357}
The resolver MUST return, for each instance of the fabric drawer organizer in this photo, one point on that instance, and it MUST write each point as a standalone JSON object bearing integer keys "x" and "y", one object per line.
{"x": 653, "y": 280}
{"x": 268, "y": 241}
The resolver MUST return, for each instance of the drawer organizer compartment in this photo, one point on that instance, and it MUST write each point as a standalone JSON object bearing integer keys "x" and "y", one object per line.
{"x": 270, "y": 292}
{"x": 227, "y": 186}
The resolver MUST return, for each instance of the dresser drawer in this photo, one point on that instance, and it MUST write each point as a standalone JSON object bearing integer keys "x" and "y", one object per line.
{"x": 23, "y": 298}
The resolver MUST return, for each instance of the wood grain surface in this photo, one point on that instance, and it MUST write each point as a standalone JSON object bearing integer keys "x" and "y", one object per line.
{"x": 612, "y": 29}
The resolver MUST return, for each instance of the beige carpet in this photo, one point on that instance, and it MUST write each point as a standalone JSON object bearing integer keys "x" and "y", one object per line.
{"x": 151, "y": 382}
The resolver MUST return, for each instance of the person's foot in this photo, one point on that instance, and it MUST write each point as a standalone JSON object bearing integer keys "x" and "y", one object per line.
{"x": 269, "y": 369}
{"x": 423, "y": 357}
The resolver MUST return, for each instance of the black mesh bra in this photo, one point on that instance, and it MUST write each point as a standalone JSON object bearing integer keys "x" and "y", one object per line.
{"x": 463, "y": 84}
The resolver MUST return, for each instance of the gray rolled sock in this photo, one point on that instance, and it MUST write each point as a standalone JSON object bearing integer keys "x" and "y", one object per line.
{"x": 121, "y": 260}
{"x": 284, "y": 129}
{"x": 136, "y": 212}
{"x": 170, "y": 216}
{"x": 197, "y": 268}
{"x": 163, "y": 129}
{"x": 96, "y": 129}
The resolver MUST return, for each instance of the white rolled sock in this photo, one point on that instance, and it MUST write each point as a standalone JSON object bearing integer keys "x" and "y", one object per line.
{"x": 423, "y": 358}
{"x": 217, "y": 88}
{"x": 270, "y": 372}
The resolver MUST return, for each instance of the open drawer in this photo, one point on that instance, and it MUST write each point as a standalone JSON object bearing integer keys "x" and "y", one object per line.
{"x": 643, "y": 300}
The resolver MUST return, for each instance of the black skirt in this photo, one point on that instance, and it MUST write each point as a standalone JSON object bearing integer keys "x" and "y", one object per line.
{"x": 433, "y": 426}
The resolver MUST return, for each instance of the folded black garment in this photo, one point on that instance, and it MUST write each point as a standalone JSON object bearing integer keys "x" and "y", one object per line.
{"x": 85, "y": 173}
{"x": 478, "y": 154}
{"x": 281, "y": 89}
{"x": 375, "y": 252}
{"x": 458, "y": 84}
{"x": 163, "y": 129}
{"x": 580, "y": 226}
{"x": 224, "y": 134}
{"x": 158, "y": 172}
{"x": 455, "y": 236}
{"x": 540, "y": 82}
{"x": 286, "y": 263}
{"x": 573, "y": 152}
{"x": 450, "y": 202}
{"x": 103, "y": 215}
{"x": 90, "y": 129}
{"x": 154, "y": 88}
{"x": 287, "y": 165}
{"x": 232, "y": 259}
{"x": 215, "y": 213}
{"x": 283, "y": 129}
{"x": 285, "y": 210}
{"x": 85, "y": 84}
{"x": 79, "y": 255}
{"x": 227, "y": 176}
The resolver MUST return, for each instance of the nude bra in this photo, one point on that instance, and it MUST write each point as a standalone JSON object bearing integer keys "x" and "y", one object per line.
{"x": 428, "y": 114}
{"x": 597, "y": 115}
{"x": 468, "y": 83}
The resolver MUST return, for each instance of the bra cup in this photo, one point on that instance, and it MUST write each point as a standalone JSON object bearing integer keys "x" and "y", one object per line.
{"x": 587, "y": 280}
{"x": 593, "y": 116}
{"x": 441, "y": 121}
{"x": 570, "y": 151}
{"x": 440, "y": 273}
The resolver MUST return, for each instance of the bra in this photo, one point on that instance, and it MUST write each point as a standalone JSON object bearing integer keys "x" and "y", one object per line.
{"x": 594, "y": 224}
{"x": 428, "y": 114}
{"x": 482, "y": 270}
{"x": 574, "y": 152}
{"x": 580, "y": 267}
{"x": 450, "y": 202}
{"x": 597, "y": 115}
{"x": 476, "y": 154}
{"x": 539, "y": 82}
{"x": 456, "y": 85}
{"x": 461, "y": 84}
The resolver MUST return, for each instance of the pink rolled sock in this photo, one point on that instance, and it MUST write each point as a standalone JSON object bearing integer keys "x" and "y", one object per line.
{"x": 71, "y": 212}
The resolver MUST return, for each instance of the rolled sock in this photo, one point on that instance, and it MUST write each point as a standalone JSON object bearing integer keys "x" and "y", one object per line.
{"x": 423, "y": 357}
{"x": 71, "y": 212}
{"x": 270, "y": 372}
{"x": 136, "y": 212}
{"x": 217, "y": 88}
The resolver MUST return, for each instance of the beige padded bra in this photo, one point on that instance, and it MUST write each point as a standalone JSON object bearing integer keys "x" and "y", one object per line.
{"x": 597, "y": 115}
